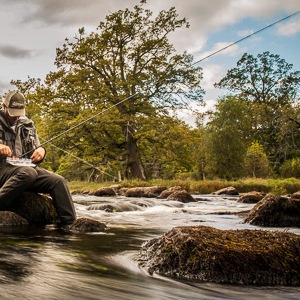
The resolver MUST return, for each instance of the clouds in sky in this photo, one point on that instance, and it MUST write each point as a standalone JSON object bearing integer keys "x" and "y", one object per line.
{"x": 32, "y": 30}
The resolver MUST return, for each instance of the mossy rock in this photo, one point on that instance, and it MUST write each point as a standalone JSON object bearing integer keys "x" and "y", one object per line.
{"x": 166, "y": 193}
{"x": 181, "y": 196}
{"x": 87, "y": 225}
{"x": 105, "y": 191}
{"x": 275, "y": 211}
{"x": 206, "y": 254}
{"x": 36, "y": 208}
{"x": 9, "y": 218}
{"x": 251, "y": 197}
{"x": 147, "y": 192}
{"x": 227, "y": 191}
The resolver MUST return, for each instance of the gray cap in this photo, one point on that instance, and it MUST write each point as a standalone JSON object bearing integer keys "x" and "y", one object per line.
{"x": 15, "y": 103}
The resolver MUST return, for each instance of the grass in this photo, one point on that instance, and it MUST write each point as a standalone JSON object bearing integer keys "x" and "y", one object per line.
{"x": 274, "y": 186}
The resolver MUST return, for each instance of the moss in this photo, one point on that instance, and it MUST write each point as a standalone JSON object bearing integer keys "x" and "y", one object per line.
{"x": 207, "y": 254}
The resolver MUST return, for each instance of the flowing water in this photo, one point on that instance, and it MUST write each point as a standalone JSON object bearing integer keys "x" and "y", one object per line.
{"x": 48, "y": 263}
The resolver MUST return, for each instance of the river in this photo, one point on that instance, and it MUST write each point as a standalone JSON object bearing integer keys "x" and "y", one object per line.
{"x": 44, "y": 262}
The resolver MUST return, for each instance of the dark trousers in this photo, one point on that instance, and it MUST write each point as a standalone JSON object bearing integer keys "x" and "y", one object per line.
{"x": 15, "y": 180}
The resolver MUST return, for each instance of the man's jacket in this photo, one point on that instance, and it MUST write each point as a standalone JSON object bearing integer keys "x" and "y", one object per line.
{"x": 22, "y": 138}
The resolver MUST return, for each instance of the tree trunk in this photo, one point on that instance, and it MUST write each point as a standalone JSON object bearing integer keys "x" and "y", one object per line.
{"x": 134, "y": 166}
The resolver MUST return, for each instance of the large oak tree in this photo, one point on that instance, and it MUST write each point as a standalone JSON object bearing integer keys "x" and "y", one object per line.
{"x": 127, "y": 68}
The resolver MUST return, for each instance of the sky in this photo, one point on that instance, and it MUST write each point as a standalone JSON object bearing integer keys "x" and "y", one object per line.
{"x": 31, "y": 30}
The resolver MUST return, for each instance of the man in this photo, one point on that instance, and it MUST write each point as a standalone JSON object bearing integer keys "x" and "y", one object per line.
{"x": 18, "y": 138}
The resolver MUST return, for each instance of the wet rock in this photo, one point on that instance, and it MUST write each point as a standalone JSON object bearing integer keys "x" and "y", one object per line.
{"x": 117, "y": 188}
{"x": 275, "y": 211}
{"x": 147, "y": 192}
{"x": 87, "y": 225}
{"x": 105, "y": 191}
{"x": 206, "y": 254}
{"x": 36, "y": 208}
{"x": 9, "y": 218}
{"x": 251, "y": 197}
{"x": 181, "y": 196}
{"x": 164, "y": 194}
{"x": 227, "y": 191}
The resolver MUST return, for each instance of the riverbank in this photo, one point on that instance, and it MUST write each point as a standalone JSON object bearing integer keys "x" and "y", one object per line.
{"x": 274, "y": 186}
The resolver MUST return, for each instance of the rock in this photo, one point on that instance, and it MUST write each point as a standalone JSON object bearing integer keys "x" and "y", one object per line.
{"x": 181, "y": 196}
{"x": 105, "y": 191}
{"x": 251, "y": 197}
{"x": 147, "y": 192}
{"x": 296, "y": 195}
{"x": 122, "y": 191}
{"x": 227, "y": 191}
{"x": 164, "y": 194}
{"x": 206, "y": 254}
{"x": 9, "y": 218}
{"x": 36, "y": 208}
{"x": 87, "y": 225}
{"x": 275, "y": 211}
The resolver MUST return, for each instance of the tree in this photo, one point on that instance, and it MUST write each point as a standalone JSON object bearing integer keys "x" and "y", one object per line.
{"x": 227, "y": 138}
{"x": 256, "y": 161}
{"x": 127, "y": 65}
{"x": 263, "y": 79}
{"x": 271, "y": 88}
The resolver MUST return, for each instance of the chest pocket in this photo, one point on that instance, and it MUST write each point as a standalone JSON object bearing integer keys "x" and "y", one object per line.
{"x": 28, "y": 133}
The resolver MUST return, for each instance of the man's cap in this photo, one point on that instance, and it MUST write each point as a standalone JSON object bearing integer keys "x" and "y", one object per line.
{"x": 15, "y": 103}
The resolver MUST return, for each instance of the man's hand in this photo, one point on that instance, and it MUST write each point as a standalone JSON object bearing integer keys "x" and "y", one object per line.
{"x": 5, "y": 150}
{"x": 38, "y": 155}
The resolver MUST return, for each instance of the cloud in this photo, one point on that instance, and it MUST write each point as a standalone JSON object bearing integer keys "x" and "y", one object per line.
{"x": 289, "y": 29}
{"x": 15, "y": 52}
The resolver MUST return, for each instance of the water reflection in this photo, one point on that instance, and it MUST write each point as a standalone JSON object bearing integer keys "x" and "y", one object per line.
{"x": 42, "y": 262}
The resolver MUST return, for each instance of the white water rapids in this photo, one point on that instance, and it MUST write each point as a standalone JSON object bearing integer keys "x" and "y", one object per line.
{"x": 47, "y": 263}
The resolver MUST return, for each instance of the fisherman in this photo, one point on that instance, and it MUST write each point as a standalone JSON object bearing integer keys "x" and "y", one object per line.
{"x": 18, "y": 138}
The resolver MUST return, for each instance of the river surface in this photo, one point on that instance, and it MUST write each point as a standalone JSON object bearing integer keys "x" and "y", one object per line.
{"x": 43, "y": 262}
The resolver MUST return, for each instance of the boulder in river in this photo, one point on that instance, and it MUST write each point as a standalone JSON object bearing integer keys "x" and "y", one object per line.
{"x": 181, "y": 196}
{"x": 147, "y": 192}
{"x": 275, "y": 211}
{"x": 251, "y": 197}
{"x": 165, "y": 193}
{"x": 206, "y": 254}
{"x": 87, "y": 225}
{"x": 227, "y": 191}
{"x": 104, "y": 191}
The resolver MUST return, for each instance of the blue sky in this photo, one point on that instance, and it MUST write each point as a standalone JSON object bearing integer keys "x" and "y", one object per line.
{"x": 32, "y": 30}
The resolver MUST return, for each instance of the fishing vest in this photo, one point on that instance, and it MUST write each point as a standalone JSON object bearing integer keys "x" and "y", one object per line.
{"x": 22, "y": 140}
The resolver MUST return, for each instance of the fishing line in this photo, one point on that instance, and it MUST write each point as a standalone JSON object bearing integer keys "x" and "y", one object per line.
{"x": 206, "y": 57}
{"x": 82, "y": 160}
{"x": 126, "y": 99}
{"x": 246, "y": 37}
{"x": 81, "y": 123}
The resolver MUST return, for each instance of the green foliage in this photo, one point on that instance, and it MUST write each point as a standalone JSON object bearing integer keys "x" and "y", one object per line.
{"x": 271, "y": 89}
{"x": 227, "y": 138}
{"x": 129, "y": 70}
{"x": 291, "y": 168}
{"x": 264, "y": 79}
{"x": 256, "y": 161}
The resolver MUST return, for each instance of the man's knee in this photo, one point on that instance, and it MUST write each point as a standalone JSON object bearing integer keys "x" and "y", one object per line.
{"x": 27, "y": 174}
